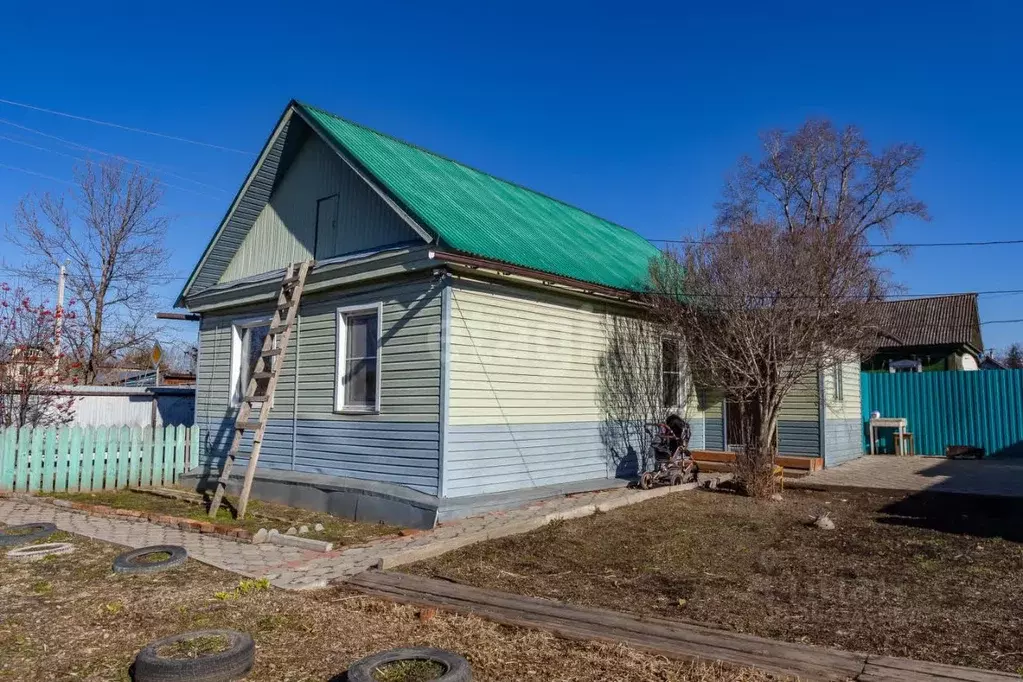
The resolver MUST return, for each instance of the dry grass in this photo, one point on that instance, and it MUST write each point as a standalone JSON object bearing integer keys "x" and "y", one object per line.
{"x": 71, "y": 618}
{"x": 259, "y": 515}
{"x": 926, "y": 577}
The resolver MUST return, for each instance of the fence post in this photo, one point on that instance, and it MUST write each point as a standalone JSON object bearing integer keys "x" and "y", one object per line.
{"x": 21, "y": 464}
{"x": 179, "y": 451}
{"x": 63, "y": 456}
{"x": 99, "y": 459}
{"x": 123, "y": 455}
{"x": 74, "y": 465}
{"x": 158, "y": 454}
{"x": 49, "y": 459}
{"x": 8, "y": 443}
{"x": 35, "y": 462}
{"x": 193, "y": 453}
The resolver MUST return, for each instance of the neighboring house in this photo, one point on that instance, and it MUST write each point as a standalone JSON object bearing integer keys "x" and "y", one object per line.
{"x": 148, "y": 377}
{"x": 991, "y": 362}
{"x": 444, "y": 358}
{"x": 935, "y": 333}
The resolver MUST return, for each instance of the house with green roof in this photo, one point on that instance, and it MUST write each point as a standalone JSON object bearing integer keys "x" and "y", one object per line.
{"x": 444, "y": 359}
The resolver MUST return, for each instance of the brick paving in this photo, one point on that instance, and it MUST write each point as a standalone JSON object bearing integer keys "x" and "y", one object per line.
{"x": 294, "y": 568}
{"x": 916, "y": 474}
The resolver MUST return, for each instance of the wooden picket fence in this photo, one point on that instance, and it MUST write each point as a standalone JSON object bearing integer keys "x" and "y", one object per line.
{"x": 84, "y": 459}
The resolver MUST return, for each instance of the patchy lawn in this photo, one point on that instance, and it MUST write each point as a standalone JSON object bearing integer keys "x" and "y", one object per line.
{"x": 70, "y": 617}
{"x": 931, "y": 577}
{"x": 258, "y": 515}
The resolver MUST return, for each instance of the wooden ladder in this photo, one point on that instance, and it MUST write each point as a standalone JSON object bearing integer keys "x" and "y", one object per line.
{"x": 262, "y": 384}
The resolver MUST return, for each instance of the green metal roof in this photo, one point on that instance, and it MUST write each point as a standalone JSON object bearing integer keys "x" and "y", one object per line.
{"x": 475, "y": 213}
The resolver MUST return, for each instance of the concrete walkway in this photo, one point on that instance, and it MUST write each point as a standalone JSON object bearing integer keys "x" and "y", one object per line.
{"x": 917, "y": 474}
{"x": 295, "y": 569}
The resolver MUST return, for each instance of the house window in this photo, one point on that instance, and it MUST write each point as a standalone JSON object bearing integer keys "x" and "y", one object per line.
{"x": 838, "y": 390}
{"x": 358, "y": 358}
{"x": 247, "y": 344}
{"x": 671, "y": 373}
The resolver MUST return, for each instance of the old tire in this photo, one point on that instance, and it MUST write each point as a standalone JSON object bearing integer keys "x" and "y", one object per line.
{"x": 646, "y": 481}
{"x": 457, "y": 668}
{"x": 676, "y": 479}
{"x": 25, "y": 533}
{"x": 37, "y": 552}
{"x": 233, "y": 663}
{"x": 131, "y": 562}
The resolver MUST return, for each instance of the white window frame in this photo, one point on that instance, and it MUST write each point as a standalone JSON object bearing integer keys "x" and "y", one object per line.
{"x": 680, "y": 371}
{"x": 339, "y": 368}
{"x": 237, "y": 327}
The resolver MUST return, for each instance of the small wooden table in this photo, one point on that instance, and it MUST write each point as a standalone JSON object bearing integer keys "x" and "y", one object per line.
{"x": 899, "y": 423}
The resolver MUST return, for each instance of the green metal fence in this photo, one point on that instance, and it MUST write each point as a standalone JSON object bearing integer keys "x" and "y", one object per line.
{"x": 83, "y": 459}
{"x": 981, "y": 408}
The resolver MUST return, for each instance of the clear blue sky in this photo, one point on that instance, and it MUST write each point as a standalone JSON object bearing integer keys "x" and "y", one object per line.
{"x": 635, "y": 112}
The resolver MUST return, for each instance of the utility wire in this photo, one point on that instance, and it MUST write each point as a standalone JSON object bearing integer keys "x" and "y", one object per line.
{"x": 119, "y": 126}
{"x": 158, "y": 168}
{"x": 32, "y": 172}
{"x": 912, "y": 245}
{"x": 104, "y": 165}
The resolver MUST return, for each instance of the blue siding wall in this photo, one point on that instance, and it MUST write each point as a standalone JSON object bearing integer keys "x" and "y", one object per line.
{"x": 405, "y": 453}
{"x": 799, "y": 437}
{"x": 714, "y": 435}
{"x": 843, "y": 440}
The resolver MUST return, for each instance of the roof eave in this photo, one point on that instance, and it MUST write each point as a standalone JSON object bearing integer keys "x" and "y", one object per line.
{"x": 180, "y": 302}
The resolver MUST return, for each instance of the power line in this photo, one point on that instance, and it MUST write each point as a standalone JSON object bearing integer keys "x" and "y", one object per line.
{"x": 80, "y": 158}
{"x": 1003, "y": 321}
{"x": 32, "y": 172}
{"x": 119, "y": 126}
{"x": 159, "y": 168}
{"x": 912, "y": 245}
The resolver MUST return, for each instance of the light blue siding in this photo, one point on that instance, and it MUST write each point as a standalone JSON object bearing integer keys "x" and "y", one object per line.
{"x": 390, "y": 452}
{"x": 843, "y": 440}
{"x": 714, "y": 434}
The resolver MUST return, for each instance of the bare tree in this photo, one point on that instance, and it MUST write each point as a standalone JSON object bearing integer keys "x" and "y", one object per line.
{"x": 110, "y": 233}
{"x": 32, "y": 368}
{"x": 1013, "y": 357}
{"x": 778, "y": 289}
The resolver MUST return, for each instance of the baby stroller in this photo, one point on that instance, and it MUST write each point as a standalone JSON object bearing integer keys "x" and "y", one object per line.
{"x": 673, "y": 463}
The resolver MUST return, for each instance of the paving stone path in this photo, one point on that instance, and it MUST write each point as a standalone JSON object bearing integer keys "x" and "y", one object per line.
{"x": 933, "y": 474}
{"x": 295, "y": 569}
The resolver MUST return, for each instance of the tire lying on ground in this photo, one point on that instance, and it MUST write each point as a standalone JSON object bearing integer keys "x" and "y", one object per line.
{"x": 37, "y": 552}
{"x": 136, "y": 560}
{"x": 158, "y": 662}
{"x": 456, "y": 668}
{"x": 25, "y": 533}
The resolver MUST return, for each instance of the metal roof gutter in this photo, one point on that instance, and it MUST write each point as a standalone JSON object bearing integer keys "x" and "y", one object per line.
{"x": 549, "y": 279}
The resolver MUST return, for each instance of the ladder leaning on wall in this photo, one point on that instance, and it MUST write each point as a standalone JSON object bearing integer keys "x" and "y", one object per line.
{"x": 262, "y": 385}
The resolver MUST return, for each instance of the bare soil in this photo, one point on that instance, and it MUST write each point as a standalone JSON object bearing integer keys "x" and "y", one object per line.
{"x": 931, "y": 577}
{"x": 258, "y": 515}
{"x": 70, "y": 618}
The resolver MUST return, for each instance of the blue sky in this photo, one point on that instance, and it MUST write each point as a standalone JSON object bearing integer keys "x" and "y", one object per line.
{"x": 635, "y": 112}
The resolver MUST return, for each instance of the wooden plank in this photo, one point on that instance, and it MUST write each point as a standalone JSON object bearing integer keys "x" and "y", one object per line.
{"x": 49, "y": 459}
{"x": 21, "y": 459}
{"x": 63, "y": 456}
{"x": 110, "y": 460}
{"x": 892, "y": 668}
{"x": 193, "y": 452}
{"x": 124, "y": 456}
{"x": 99, "y": 460}
{"x": 179, "y": 452}
{"x": 158, "y": 455}
{"x": 679, "y": 641}
{"x": 134, "y": 456}
{"x": 35, "y": 461}
{"x": 787, "y": 461}
{"x": 88, "y": 455}
{"x": 146, "y": 457}
{"x": 8, "y": 453}
{"x": 74, "y": 465}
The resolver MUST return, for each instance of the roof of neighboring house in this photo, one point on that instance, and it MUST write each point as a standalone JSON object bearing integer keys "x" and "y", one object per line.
{"x": 476, "y": 213}
{"x": 932, "y": 321}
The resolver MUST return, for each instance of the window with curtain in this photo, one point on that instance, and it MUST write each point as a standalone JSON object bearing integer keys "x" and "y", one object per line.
{"x": 671, "y": 373}
{"x": 249, "y": 339}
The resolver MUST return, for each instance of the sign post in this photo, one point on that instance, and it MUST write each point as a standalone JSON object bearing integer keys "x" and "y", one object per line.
{"x": 155, "y": 356}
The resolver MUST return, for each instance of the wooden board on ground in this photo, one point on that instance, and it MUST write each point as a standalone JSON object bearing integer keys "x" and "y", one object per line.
{"x": 675, "y": 639}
